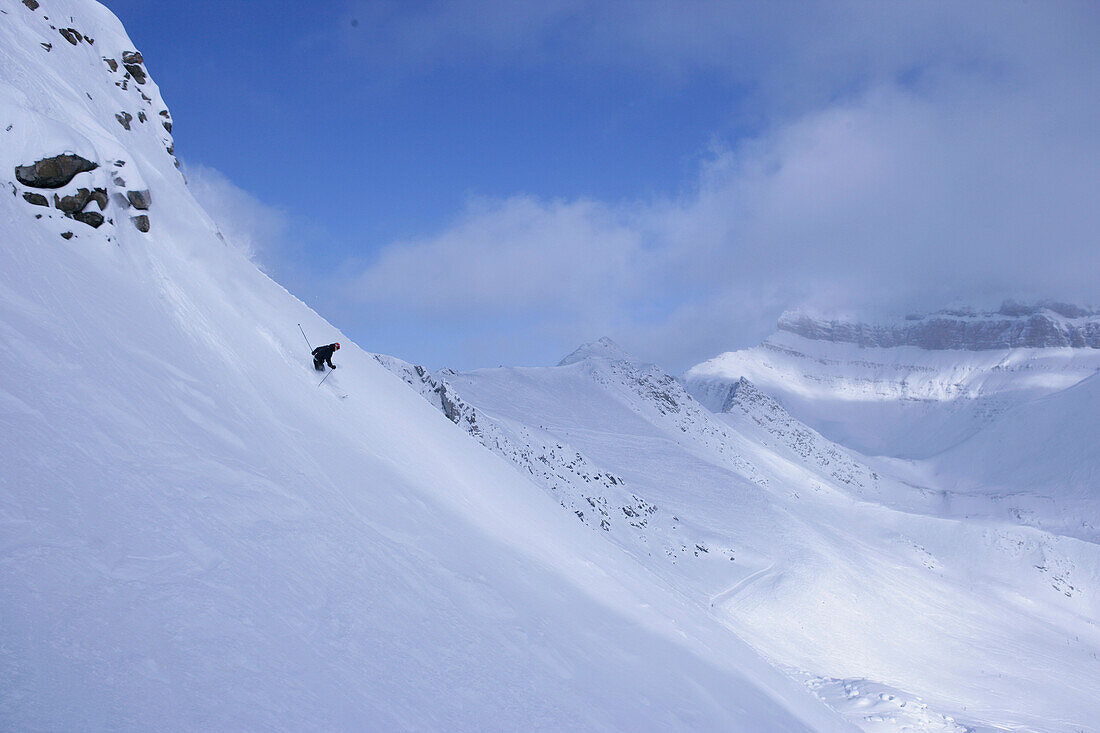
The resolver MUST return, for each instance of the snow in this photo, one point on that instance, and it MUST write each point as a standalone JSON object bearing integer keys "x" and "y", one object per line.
{"x": 897, "y": 610}
{"x": 603, "y": 347}
{"x": 902, "y": 401}
{"x": 194, "y": 535}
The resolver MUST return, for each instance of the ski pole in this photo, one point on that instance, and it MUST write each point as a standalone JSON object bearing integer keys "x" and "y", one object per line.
{"x": 325, "y": 377}
{"x": 304, "y": 336}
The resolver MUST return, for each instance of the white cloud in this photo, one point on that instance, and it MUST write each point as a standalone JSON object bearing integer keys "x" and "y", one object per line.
{"x": 904, "y": 196}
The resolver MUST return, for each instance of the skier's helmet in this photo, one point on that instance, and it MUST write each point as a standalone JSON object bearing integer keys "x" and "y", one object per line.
{"x": 337, "y": 345}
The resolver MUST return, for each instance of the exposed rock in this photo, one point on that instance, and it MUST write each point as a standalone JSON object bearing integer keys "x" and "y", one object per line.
{"x": 141, "y": 222}
{"x": 93, "y": 219}
{"x": 122, "y": 201}
{"x": 36, "y": 198}
{"x": 140, "y": 200}
{"x": 167, "y": 125}
{"x": 32, "y": 4}
{"x": 132, "y": 57}
{"x": 53, "y": 172}
{"x": 47, "y": 46}
{"x": 99, "y": 195}
{"x": 147, "y": 99}
{"x": 72, "y": 35}
{"x": 171, "y": 148}
{"x": 1012, "y": 326}
{"x": 66, "y": 235}
{"x": 124, "y": 119}
{"x": 119, "y": 181}
{"x": 142, "y": 117}
{"x": 137, "y": 72}
{"x": 74, "y": 203}
{"x": 111, "y": 64}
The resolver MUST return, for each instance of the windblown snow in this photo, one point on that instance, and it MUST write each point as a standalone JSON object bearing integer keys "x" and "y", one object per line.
{"x": 886, "y": 528}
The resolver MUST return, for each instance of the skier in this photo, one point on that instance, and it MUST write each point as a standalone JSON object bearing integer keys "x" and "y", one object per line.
{"x": 323, "y": 354}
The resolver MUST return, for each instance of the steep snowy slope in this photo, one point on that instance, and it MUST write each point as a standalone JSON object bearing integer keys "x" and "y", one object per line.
{"x": 1039, "y": 462}
{"x": 895, "y": 618}
{"x": 914, "y": 388}
{"x": 194, "y": 535}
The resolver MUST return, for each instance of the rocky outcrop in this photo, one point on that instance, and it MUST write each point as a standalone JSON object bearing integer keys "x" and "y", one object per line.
{"x": 54, "y": 172}
{"x": 1013, "y": 326}
{"x": 93, "y": 219}
{"x": 132, "y": 60}
{"x": 74, "y": 205}
{"x": 124, "y": 119}
{"x": 140, "y": 200}
{"x": 36, "y": 199}
{"x": 141, "y": 222}
{"x": 72, "y": 35}
{"x": 32, "y": 4}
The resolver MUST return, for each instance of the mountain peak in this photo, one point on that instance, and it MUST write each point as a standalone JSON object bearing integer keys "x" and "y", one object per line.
{"x": 602, "y": 348}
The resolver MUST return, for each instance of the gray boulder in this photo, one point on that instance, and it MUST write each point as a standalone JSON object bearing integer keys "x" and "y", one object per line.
{"x": 93, "y": 219}
{"x": 141, "y": 222}
{"x": 74, "y": 203}
{"x": 53, "y": 172}
{"x": 140, "y": 200}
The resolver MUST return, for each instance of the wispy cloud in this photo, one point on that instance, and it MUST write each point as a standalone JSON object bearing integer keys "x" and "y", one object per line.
{"x": 910, "y": 155}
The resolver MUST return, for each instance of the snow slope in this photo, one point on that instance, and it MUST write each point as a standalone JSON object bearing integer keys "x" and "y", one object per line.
{"x": 900, "y": 616}
{"x": 1039, "y": 463}
{"x": 194, "y": 535}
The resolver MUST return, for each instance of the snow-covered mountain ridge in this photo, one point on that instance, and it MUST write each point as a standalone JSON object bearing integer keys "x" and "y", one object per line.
{"x": 901, "y": 400}
{"x": 831, "y": 567}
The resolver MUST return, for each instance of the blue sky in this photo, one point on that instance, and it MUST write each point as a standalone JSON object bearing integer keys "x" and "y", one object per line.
{"x": 478, "y": 183}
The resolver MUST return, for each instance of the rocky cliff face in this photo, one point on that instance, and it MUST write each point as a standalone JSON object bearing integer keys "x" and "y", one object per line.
{"x": 84, "y": 133}
{"x": 1012, "y": 326}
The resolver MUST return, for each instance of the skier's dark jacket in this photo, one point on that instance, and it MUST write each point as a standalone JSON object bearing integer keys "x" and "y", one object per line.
{"x": 323, "y": 354}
